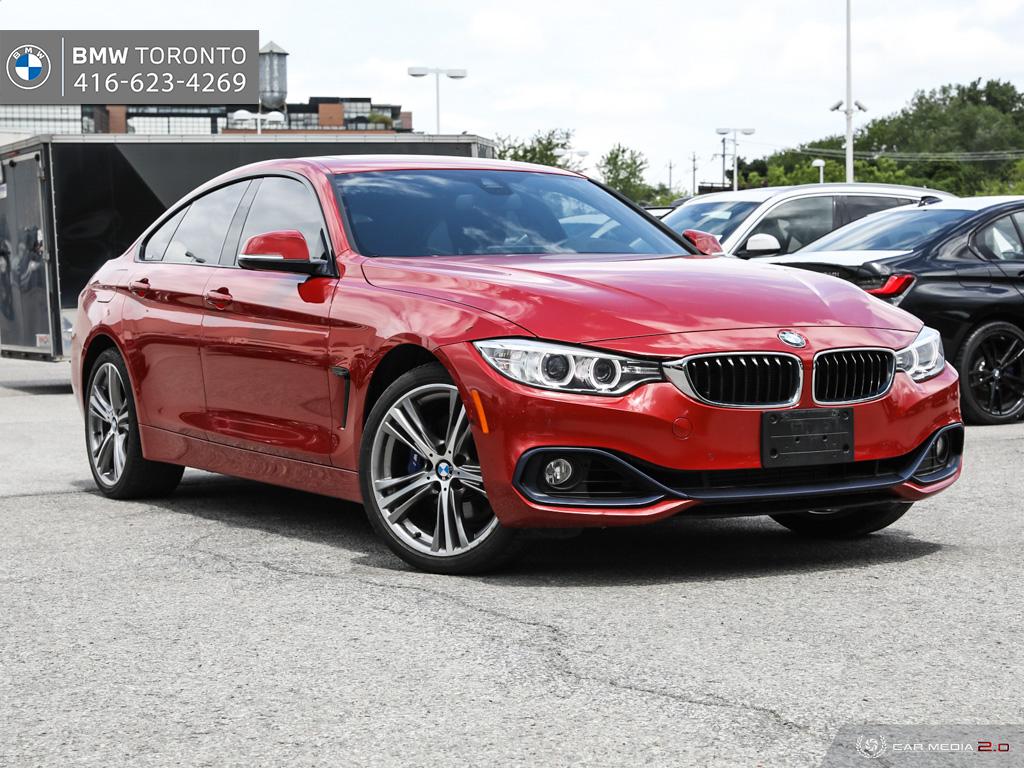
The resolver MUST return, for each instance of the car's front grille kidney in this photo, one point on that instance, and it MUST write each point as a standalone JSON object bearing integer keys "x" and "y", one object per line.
{"x": 742, "y": 380}
{"x": 850, "y": 375}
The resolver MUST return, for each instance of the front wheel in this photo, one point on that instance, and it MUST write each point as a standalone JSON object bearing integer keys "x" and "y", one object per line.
{"x": 844, "y": 523}
{"x": 112, "y": 436}
{"x": 421, "y": 479}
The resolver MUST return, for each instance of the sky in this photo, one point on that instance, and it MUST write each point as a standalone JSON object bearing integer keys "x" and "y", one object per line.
{"x": 656, "y": 76}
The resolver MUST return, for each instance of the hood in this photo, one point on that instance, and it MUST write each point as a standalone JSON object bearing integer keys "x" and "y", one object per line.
{"x": 580, "y": 299}
{"x": 839, "y": 258}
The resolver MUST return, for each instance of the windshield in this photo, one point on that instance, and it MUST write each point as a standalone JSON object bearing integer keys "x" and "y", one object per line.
{"x": 901, "y": 230}
{"x": 479, "y": 212}
{"x": 720, "y": 218}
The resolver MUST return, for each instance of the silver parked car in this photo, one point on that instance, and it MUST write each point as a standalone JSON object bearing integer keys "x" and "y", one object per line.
{"x": 771, "y": 221}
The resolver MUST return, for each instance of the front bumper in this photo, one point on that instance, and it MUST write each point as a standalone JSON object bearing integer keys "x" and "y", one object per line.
{"x": 672, "y": 443}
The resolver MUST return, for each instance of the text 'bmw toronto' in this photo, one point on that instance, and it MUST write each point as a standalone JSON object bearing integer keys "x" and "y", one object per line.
{"x": 472, "y": 348}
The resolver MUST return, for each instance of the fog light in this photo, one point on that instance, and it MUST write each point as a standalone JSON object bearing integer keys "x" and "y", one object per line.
{"x": 557, "y": 473}
{"x": 941, "y": 449}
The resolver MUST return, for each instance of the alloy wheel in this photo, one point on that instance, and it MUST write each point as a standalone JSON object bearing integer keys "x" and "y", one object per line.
{"x": 108, "y": 424}
{"x": 996, "y": 374}
{"x": 425, "y": 474}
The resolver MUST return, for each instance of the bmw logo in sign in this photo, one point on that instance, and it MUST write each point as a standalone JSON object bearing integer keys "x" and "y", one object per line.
{"x": 792, "y": 338}
{"x": 28, "y": 67}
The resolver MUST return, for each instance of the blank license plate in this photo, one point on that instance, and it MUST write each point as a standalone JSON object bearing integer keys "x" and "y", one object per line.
{"x": 805, "y": 437}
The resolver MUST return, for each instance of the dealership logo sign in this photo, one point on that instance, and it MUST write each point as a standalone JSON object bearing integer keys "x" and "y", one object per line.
{"x": 792, "y": 338}
{"x": 28, "y": 67}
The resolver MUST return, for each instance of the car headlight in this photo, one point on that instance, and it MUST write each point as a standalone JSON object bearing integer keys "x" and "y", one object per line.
{"x": 564, "y": 368}
{"x": 924, "y": 358}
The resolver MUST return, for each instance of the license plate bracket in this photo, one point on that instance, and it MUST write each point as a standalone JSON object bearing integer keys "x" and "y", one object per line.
{"x": 806, "y": 436}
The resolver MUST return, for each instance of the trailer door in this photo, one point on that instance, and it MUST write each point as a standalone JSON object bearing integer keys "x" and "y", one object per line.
{"x": 25, "y": 262}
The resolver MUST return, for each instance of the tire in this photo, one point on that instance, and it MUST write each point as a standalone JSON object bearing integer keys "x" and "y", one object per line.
{"x": 421, "y": 481}
{"x": 112, "y": 439}
{"x": 846, "y": 523}
{"x": 991, "y": 367}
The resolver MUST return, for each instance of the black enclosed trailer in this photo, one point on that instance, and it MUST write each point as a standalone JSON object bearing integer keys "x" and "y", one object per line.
{"x": 69, "y": 203}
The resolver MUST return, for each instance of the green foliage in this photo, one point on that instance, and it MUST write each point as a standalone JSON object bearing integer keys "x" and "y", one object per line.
{"x": 623, "y": 170}
{"x": 540, "y": 149}
{"x": 976, "y": 117}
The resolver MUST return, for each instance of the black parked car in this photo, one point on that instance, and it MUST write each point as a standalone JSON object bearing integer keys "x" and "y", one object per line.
{"x": 959, "y": 266}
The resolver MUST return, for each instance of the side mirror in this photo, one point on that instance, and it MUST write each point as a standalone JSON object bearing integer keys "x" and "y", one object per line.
{"x": 704, "y": 242}
{"x": 762, "y": 245}
{"x": 281, "y": 251}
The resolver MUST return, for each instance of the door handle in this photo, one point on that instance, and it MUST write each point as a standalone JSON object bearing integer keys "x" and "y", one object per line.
{"x": 139, "y": 287}
{"x": 219, "y": 298}
{"x": 1021, "y": 273}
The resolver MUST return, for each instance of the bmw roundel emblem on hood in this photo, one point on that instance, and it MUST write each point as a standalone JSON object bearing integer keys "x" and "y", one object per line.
{"x": 792, "y": 338}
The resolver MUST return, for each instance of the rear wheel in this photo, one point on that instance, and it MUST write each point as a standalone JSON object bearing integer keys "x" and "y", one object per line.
{"x": 421, "y": 478}
{"x": 844, "y": 523}
{"x": 112, "y": 436}
{"x": 991, "y": 367}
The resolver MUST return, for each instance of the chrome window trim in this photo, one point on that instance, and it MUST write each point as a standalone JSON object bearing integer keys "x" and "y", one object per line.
{"x": 675, "y": 371}
{"x": 814, "y": 375}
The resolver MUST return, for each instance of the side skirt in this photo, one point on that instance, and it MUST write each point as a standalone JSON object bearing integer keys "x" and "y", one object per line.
{"x": 173, "y": 448}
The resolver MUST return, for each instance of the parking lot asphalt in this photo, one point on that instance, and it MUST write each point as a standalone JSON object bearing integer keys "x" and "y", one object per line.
{"x": 235, "y": 624}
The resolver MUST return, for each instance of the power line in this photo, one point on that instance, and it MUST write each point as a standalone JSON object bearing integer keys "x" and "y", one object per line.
{"x": 957, "y": 157}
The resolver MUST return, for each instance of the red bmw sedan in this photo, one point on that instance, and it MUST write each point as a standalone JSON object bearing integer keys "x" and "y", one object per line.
{"x": 472, "y": 348}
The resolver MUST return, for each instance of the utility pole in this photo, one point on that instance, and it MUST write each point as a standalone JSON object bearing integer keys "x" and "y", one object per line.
{"x": 669, "y": 175}
{"x": 693, "y": 185}
{"x": 723, "y": 160}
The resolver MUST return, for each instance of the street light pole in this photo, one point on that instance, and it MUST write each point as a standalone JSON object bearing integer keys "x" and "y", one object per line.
{"x": 454, "y": 74}
{"x": 849, "y": 98}
{"x": 820, "y": 165}
{"x": 723, "y": 132}
{"x": 849, "y": 106}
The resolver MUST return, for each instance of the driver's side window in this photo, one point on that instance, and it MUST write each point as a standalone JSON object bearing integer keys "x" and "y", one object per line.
{"x": 797, "y": 223}
{"x": 1000, "y": 240}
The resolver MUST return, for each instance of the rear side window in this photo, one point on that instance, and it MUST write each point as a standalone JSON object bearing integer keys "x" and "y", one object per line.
{"x": 284, "y": 203}
{"x": 798, "y": 222}
{"x": 200, "y": 235}
{"x": 159, "y": 240}
{"x": 1000, "y": 241}
{"x": 859, "y": 206}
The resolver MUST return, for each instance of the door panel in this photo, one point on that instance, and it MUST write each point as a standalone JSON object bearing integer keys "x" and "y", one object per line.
{"x": 163, "y": 318}
{"x": 265, "y": 338}
{"x": 265, "y": 363}
{"x": 164, "y": 310}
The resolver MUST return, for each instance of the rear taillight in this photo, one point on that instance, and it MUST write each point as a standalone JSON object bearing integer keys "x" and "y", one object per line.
{"x": 893, "y": 287}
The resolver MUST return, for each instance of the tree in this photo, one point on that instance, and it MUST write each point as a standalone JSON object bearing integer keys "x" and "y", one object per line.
{"x": 623, "y": 169}
{"x": 976, "y": 117}
{"x": 541, "y": 149}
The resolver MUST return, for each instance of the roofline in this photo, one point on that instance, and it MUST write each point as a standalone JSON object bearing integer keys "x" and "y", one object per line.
{"x": 247, "y": 138}
{"x": 770, "y": 193}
